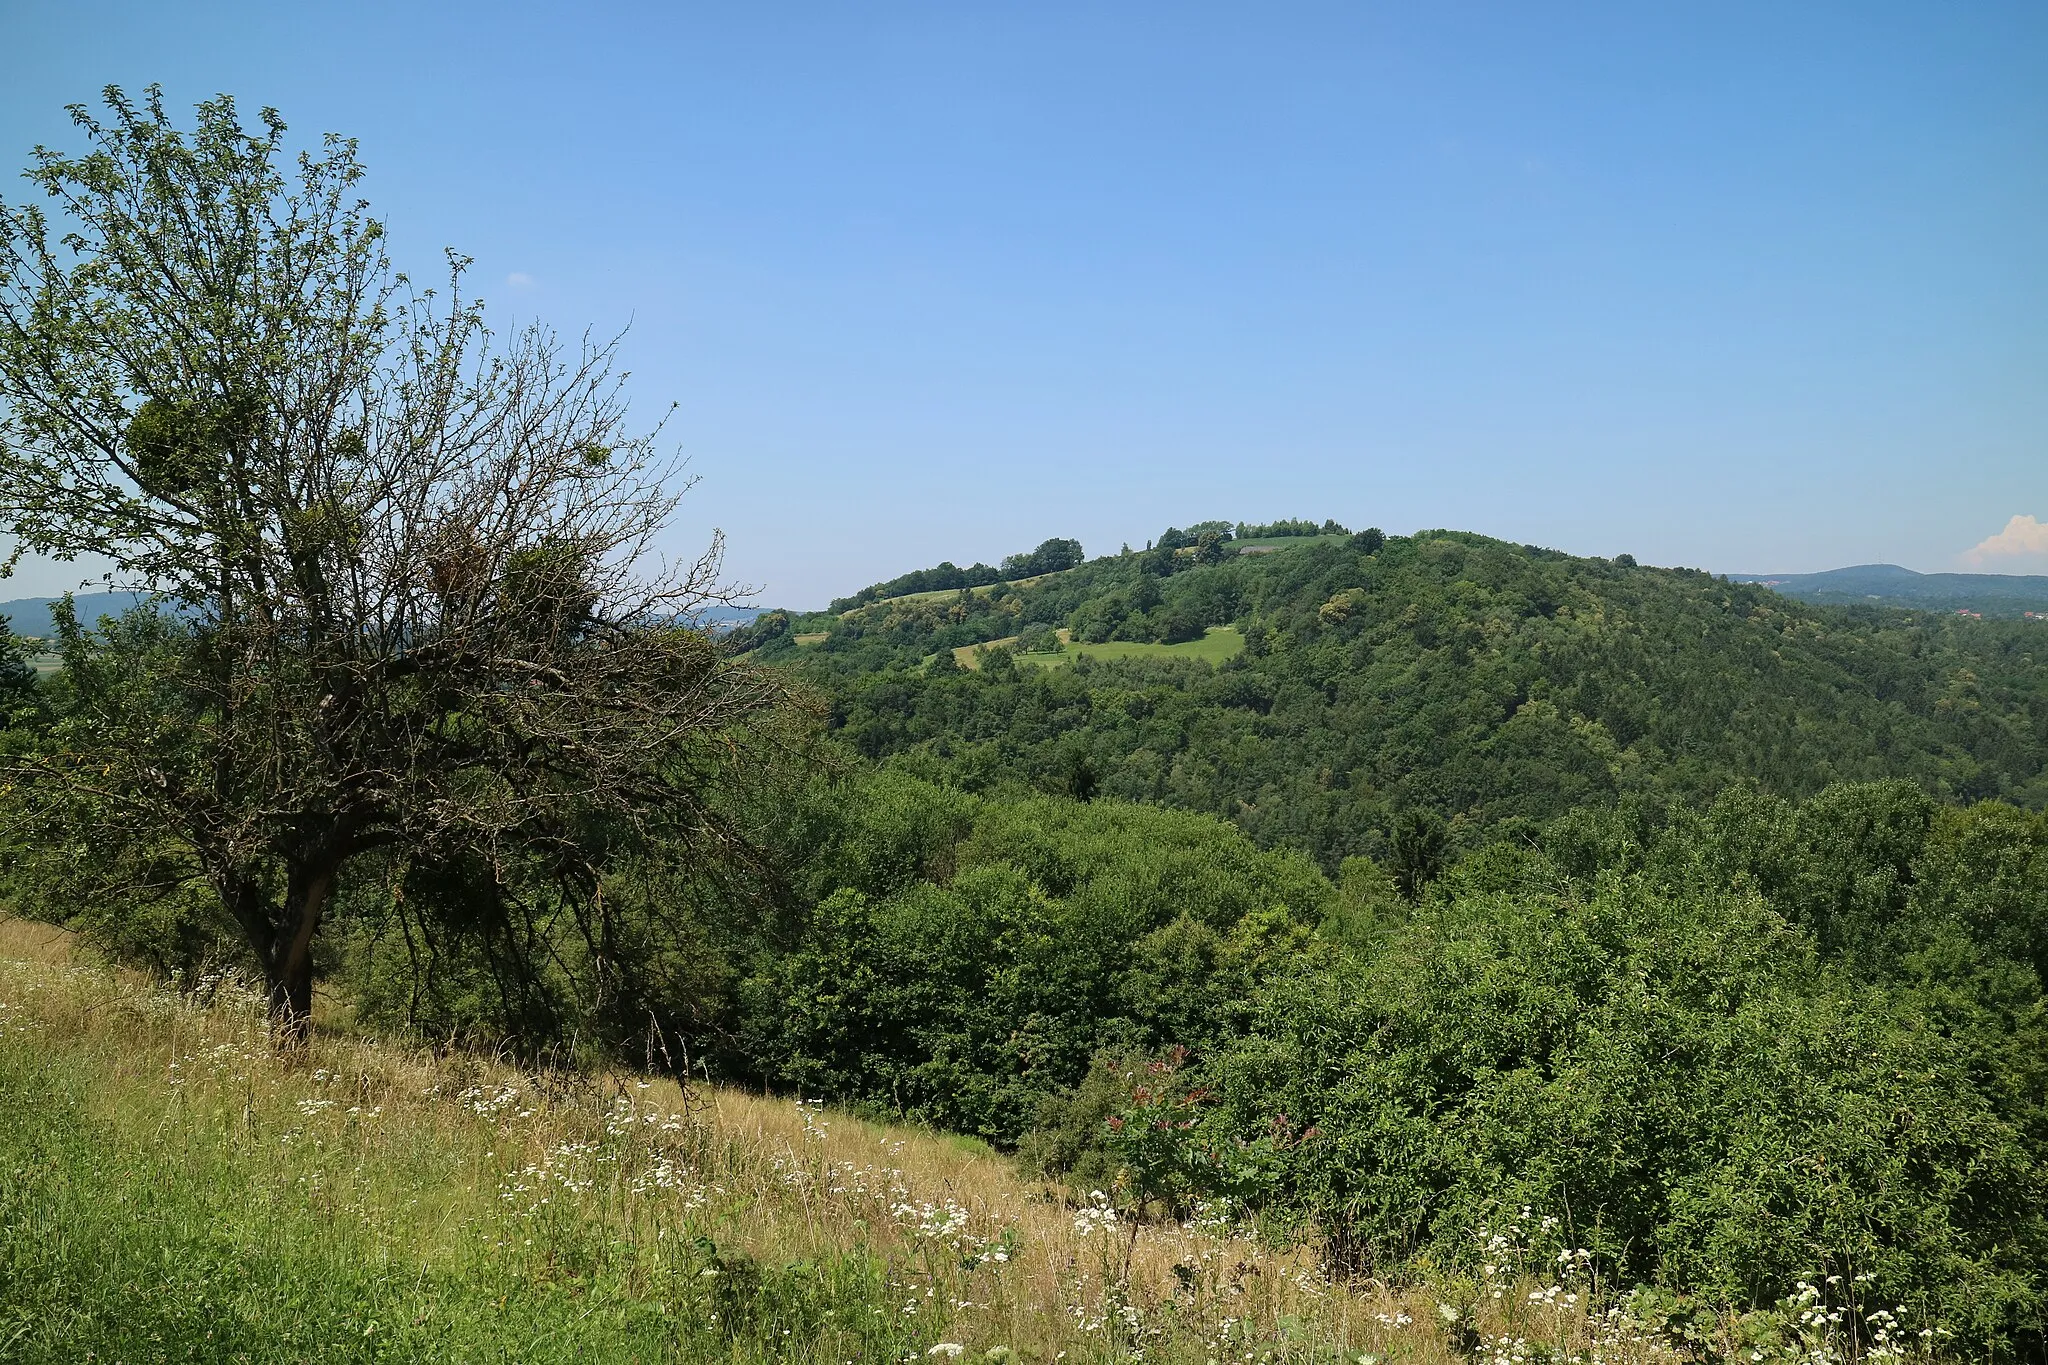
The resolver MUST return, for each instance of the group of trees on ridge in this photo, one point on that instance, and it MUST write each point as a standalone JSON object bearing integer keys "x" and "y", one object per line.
{"x": 1051, "y": 556}
{"x": 1712, "y": 924}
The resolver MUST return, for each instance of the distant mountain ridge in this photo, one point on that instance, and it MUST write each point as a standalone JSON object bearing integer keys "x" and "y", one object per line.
{"x": 1893, "y": 585}
{"x": 31, "y": 615}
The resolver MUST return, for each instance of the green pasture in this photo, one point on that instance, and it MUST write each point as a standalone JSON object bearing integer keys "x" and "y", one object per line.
{"x": 1284, "y": 542}
{"x": 1219, "y": 644}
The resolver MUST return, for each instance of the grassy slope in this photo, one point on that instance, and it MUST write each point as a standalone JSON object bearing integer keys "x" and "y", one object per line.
{"x": 933, "y": 594}
{"x": 1266, "y": 544}
{"x": 1220, "y": 643}
{"x": 171, "y": 1190}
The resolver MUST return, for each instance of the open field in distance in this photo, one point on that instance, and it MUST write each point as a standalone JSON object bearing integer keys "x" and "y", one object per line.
{"x": 1218, "y": 644}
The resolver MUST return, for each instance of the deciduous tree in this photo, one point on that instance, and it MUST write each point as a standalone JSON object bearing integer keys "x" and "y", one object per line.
{"x": 408, "y": 591}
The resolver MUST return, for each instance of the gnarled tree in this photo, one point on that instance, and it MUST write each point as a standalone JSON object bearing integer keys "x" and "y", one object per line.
{"x": 408, "y": 592}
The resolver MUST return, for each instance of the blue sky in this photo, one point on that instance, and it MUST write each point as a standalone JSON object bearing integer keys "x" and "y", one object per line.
{"x": 1748, "y": 287}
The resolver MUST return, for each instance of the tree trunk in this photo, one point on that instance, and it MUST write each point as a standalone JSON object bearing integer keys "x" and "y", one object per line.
{"x": 289, "y": 963}
{"x": 291, "y": 1002}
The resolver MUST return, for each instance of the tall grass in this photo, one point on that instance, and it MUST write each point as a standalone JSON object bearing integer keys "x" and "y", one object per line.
{"x": 173, "y": 1189}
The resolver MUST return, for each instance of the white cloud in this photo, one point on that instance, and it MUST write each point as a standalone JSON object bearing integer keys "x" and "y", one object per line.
{"x": 519, "y": 279}
{"x": 2022, "y": 536}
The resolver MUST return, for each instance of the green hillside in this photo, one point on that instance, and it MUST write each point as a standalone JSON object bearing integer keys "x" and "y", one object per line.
{"x": 1218, "y": 644}
{"x": 1482, "y": 682}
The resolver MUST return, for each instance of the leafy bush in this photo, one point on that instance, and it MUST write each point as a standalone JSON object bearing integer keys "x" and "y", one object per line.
{"x": 1678, "y": 1075}
{"x": 1049, "y": 932}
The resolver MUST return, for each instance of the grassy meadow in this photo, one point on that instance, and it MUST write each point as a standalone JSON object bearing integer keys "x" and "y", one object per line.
{"x": 1287, "y": 542}
{"x": 172, "y": 1189}
{"x": 1217, "y": 644}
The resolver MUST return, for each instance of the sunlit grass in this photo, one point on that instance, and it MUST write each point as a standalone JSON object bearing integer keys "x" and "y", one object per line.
{"x": 1216, "y": 645}
{"x": 173, "y": 1189}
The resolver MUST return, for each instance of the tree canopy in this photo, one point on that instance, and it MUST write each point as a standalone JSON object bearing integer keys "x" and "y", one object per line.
{"x": 405, "y": 589}
{"x": 1484, "y": 682}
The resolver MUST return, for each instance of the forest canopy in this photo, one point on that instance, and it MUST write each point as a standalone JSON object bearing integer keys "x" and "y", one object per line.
{"x": 1482, "y": 682}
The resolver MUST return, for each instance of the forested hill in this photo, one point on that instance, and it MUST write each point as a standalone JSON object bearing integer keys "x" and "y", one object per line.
{"x": 1985, "y": 594}
{"x": 1468, "y": 679}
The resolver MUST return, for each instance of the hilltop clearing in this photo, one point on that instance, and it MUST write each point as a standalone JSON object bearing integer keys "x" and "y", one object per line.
{"x": 1217, "y": 644}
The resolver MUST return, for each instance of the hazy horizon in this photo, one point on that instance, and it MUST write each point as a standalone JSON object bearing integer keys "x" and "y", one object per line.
{"x": 11, "y": 590}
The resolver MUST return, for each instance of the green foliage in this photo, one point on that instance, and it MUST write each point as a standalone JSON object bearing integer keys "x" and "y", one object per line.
{"x": 1417, "y": 852}
{"x": 1288, "y": 526}
{"x": 1040, "y": 640}
{"x": 1676, "y": 1074}
{"x": 975, "y": 955}
{"x": 524, "y": 967}
{"x": 1483, "y": 682}
{"x": 1051, "y": 556}
{"x": 1164, "y": 1161}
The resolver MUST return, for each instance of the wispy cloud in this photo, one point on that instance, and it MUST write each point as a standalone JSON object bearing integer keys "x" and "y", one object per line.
{"x": 519, "y": 279}
{"x": 2023, "y": 536}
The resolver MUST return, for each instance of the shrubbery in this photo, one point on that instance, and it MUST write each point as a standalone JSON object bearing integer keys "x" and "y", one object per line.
{"x": 1044, "y": 933}
{"x": 1633, "y": 1021}
{"x": 1677, "y": 1076}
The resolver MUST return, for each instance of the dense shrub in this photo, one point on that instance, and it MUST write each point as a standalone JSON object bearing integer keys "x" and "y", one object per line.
{"x": 1047, "y": 932}
{"x": 1678, "y": 1077}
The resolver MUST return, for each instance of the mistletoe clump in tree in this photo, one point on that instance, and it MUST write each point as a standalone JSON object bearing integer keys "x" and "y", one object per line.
{"x": 409, "y": 600}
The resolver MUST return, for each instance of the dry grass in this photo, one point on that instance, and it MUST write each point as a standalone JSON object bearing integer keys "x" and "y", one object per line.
{"x": 433, "y": 1161}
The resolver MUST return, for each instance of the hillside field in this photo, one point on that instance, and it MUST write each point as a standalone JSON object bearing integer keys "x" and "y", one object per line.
{"x": 1218, "y": 644}
{"x": 171, "y": 1188}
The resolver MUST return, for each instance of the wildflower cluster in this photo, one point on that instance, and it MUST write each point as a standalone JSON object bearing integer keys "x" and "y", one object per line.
{"x": 626, "y": 1117}
{"x": 503, "y": 1102}
{"x": 1097, "y": 1214}
{"x": 223, "y": 1061}
{"x": 568, "y": 1167}
{"x": 1825, "y": 1327}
